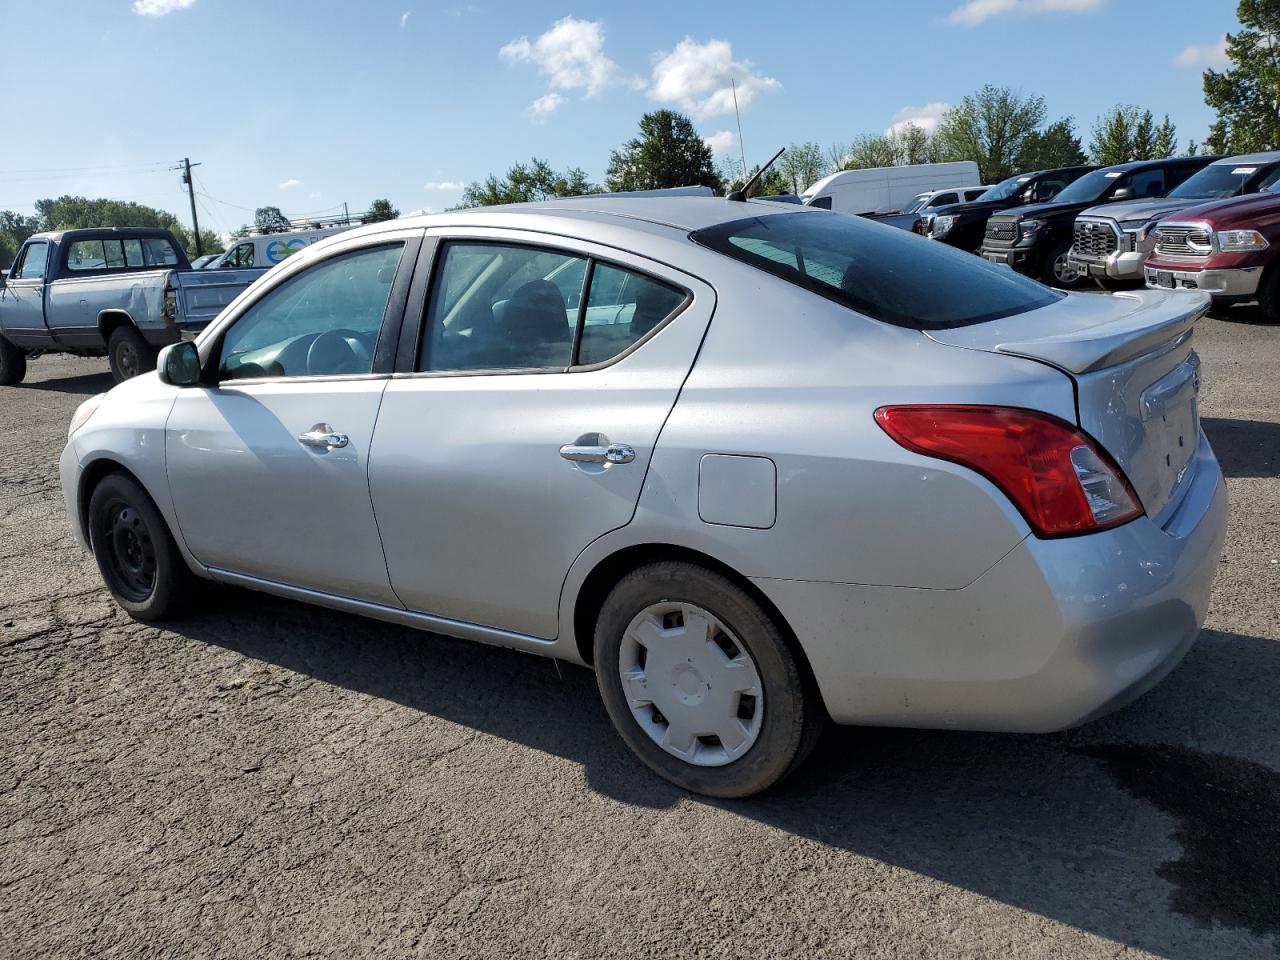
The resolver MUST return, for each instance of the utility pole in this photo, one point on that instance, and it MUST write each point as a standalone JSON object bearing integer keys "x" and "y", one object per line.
{"x": 191, "y": 192}
{"x": 346, "y": 218}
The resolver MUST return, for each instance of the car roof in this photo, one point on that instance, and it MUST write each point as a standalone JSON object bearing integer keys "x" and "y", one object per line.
{"x": 1265, "y": 156}
{"x": 91, "y": 232}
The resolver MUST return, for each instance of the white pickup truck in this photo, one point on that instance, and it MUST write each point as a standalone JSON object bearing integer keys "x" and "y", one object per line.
{"x": 119, "y": 292}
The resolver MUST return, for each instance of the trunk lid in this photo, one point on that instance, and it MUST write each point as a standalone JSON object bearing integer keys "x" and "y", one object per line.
{"x": 1137, "y": 377}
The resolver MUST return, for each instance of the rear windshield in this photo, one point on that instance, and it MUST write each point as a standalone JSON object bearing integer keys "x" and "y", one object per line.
{"x": 889, "y": 274}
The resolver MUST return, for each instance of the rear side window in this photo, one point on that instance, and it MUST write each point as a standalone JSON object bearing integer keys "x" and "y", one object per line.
{"x": 112, "y": 253}
{"x": 890, "y": 275}
{"x": 622, "y": 307}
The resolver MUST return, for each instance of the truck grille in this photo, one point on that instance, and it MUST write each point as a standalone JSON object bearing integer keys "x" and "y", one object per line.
{"x": 1183, "y": 241}
{"x": 1002, "y": 231}
{"x": 1094, "y": 240}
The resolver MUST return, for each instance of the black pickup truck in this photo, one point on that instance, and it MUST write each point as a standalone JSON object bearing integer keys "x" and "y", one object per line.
{"x": 963, "y": 224}
{"x": 1036, "y": 239}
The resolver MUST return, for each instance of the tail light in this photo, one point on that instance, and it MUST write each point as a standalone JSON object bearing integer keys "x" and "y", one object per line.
{"x": 170, "y": 305}
{"x": 1060, "y": 480}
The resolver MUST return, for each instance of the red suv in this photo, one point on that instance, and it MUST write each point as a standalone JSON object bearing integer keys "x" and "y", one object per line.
{"x": 1224, "y": 248}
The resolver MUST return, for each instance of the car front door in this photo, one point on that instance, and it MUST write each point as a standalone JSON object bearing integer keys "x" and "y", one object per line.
{"x": 523, "y": 429}
{"x": 22, "y": 298}
{"x": 268, "y": 464}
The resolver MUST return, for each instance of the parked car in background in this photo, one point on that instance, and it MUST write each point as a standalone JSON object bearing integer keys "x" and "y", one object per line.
{"x": 261, "y": 251}
{"x": 887, "y": 188}
{"x": 1225, "y": 249}
{"x": 653, "y": 475}
{"x": 1037, "y": 239}
{"x": 906, "y": 216}
{"x": 122, "y": 292}
{"x": 1112, "y": 243}
{"x": 199, "y": 263}
{"x": 964, "y": 224}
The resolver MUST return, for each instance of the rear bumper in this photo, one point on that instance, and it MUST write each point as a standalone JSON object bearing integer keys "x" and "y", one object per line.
{"x": 1056, "y": 633}
{"x": 1240, "y": 283}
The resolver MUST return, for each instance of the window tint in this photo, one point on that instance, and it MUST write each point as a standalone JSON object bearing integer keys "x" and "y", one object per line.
{"x": 1148, "y": 183}
{"x": 497, "y": 306}
{"x": 621, "y": 308}
{"x": 133, "y": 253}
{"x": 240, "y": 256}
{"x": 891, "y": 275}
{"x": 323, "y": 321}
{"x": 112, "y": 253}
{"x": 86, "y": 255}
{"x": 158, "y": 252}
{"x": 974, "y": 194}
{"x": 822, "y": 203}
{"x": 33, "y": 262}
{"x": 940, "y": 200}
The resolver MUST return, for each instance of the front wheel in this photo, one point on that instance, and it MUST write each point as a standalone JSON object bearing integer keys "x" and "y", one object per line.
{"x": 129, "y": 354}
{"x": 701, "y": 683}
{"x": 1058, "y": 271}
{"x": 13, "y": 364}
{"x": 1269, "y": 296}
{"x": 136, "y": 554}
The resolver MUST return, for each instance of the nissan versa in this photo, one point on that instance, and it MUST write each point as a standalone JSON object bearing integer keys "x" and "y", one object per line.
{"x": 760, "y": 466}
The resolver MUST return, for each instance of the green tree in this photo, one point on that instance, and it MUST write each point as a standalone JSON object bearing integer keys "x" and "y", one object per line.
{"x": 871, "y": 150}
{"x": 1246, "y": 95}
{"x": 1055, "y": 146}
{"x": 271, "y": 220}
{"x": 14, "y": 230}
{"x": 990, "y": 127}
{"x": 526, "y": 183}
{"x": 1129, "y": 132}
{"x": 1165, "y": 143}
{"x": 772, "y": 183}
{"x": 913, "y": 145}
{"x": 801, "y": 166}
{"x": 668, "y": 153}
{"x": 380, "y": 210}
{"x": 67, "y": 213}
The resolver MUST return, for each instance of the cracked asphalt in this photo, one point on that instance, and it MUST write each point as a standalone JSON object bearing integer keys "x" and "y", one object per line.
{"x": 265, "y": 779}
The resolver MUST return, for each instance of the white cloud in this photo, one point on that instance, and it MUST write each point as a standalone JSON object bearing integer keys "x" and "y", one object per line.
{"x": 443, "y": 185}
{"x": 546, "y": 104}
{"x": 314, "y": 196}
{"x": 290, "y": 184}
{"x": 696, "y": 77}
{"x": 926, "y": 118}
{"x": 974, "y": 12}
{"x": 404, "y": 18}
{"x": 1211, "y": 55}
{"x": 570, "y": 55}
{"x": 417, "y": 213}
{"x": 158, "y": 8}
{"x": 721, "y": 142}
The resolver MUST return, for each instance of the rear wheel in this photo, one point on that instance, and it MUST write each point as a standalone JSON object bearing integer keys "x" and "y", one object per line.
{"x": 701, "y": 683}
{"x": 1269, "y": 296}
{"x": 1057, "y": 270}
{"x": 13, "y": 364}
{"x": 136, "y": 554}
{"x": 129, "y": 354}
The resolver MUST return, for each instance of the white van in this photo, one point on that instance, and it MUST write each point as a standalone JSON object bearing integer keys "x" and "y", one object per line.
{"x": 268, "y": 249}
{"x": 888, "y": 188}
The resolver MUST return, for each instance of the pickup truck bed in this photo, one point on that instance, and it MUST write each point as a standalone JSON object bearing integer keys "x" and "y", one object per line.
{"x": 123, "y": 293}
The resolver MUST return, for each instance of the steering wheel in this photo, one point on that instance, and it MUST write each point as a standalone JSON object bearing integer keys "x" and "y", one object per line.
{"x": 331, "y": 353}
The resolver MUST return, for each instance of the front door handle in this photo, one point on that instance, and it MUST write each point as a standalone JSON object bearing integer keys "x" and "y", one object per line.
{"x": 322, "y": 435}
{"x": 595, "y": 448}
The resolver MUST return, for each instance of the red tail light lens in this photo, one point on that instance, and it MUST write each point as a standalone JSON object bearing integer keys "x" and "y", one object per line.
{"x": 1057, "y": 477}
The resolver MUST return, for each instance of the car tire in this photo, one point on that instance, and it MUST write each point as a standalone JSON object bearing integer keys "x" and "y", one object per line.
{"x": 136, "y": 554}
{"x": 129, "y": 354}
{"x": 13, "y": 364}
{"x": 738, "y": 678}
{"x": 1269, "y": 296}
{"x": 1057, "y": 270}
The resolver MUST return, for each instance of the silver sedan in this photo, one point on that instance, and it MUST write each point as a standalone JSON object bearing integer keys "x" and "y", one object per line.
{"x": 760, "y": 467}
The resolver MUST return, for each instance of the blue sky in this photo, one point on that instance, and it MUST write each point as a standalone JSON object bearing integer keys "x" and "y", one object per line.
{"x": 309, "y": 103}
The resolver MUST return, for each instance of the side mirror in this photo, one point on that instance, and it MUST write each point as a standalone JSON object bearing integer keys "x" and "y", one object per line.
{"x": 1123, "y": 193}
{"x": 179, "y": 364}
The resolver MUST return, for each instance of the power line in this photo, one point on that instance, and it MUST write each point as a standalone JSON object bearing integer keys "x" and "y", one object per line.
{"x": 99, "y": 168}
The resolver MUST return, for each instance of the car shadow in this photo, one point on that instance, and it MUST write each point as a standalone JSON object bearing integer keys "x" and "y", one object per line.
{"x": 85, "y": 384}
{"x": 1056, "y": 824}
{"x": 1245, "y": 448}
{"x": 1249, "y": 314}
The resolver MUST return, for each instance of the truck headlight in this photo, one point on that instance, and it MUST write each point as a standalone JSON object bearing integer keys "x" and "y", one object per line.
{"x": 942, "y": 225}
{"x": 1240, "y": 241}
{"x": 1029, "y": 227}
{"x": 84, "y": 412}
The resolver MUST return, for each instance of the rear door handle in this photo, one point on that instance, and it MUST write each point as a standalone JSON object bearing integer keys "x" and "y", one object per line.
{"x": 583, "y": 450}
{"x": 322, "y": 435}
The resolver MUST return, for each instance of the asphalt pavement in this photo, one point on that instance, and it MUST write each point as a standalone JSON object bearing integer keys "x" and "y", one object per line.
{"x": 266, "y": 779}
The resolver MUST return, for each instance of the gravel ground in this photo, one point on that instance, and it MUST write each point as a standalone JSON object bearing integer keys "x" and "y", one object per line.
{"x": 271, "y": 780}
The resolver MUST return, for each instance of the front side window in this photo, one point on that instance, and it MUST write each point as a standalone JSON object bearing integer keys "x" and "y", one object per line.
{"x": 33, "y": 262}
{"x": 323, "y": 321}
{"x": 498, "y": 306}
{"x": 940, "y": 200}
{"x": 622, "y": 307}
{"x": 1148, "y": 183}
{"x": 1005, "y": 188}
{"x": 891, "y": 275}
{"x": 241, "y": 255}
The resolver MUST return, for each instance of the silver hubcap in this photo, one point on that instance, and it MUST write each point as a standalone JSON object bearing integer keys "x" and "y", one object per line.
{"x": 691, "y": 686}
{"x": 1062, "y": 270}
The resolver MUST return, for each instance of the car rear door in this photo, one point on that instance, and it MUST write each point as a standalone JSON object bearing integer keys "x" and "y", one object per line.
{"x": 268, "y": 465}
{"x": 496, "y": 459}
